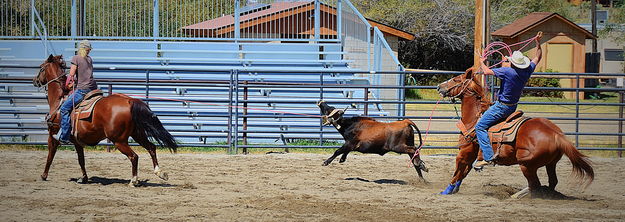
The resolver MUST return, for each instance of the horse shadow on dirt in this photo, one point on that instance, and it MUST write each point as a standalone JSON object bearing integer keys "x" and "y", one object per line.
{"x": 380, "y": 181}
{"x": 502, "y": 192}
{"x": 108, "y": 181}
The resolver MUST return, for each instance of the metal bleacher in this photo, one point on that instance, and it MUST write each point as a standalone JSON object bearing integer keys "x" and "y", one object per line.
{"x": 203, "y": 117}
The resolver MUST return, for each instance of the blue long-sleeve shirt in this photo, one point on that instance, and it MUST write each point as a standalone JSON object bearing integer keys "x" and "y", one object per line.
{"x": 512, "y": 82}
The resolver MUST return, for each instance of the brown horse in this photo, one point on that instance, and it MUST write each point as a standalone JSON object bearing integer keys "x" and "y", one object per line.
{"x": 115, "y": 117}
{"x": 539, "y": 142}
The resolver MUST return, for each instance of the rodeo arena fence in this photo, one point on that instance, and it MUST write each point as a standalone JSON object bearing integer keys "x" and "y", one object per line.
{"x": 241, "y": 74}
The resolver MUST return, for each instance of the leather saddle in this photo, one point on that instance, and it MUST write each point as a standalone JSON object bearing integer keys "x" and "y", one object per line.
{"x": 84, "y": 109}
{"x": 505, "y": 131}
{"x": 502, "y": 132}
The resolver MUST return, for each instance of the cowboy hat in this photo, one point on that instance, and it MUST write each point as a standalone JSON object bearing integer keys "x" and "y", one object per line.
{"x": 519, "y": 60}
{"x": 85, "y": 44}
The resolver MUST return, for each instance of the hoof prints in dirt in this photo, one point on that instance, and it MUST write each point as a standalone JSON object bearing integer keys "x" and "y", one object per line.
{"x": 380, "y": 181}
{"x": 109, "y": 181}
{"x": 500, "y": 191}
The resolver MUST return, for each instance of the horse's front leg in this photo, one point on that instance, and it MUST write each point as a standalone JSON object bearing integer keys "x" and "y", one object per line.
{"x": 464, "y": 160}
{"x": 52, "y": 146}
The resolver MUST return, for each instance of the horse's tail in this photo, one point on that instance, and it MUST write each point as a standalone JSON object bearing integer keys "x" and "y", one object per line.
{"x": 581, "y": 164}
{"x": 147, "y": 122}
{"x": 417, "y": 129}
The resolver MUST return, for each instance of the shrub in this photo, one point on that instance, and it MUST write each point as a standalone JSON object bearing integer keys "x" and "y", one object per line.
{"x": 543, "y": 82}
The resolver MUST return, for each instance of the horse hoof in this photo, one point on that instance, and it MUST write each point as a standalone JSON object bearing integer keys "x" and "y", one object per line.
{"x": 44, "y": 178}
{"x": 324, "y": 164}
{"x": 162, "y": 175}
{"x": 83, "y": 180}
{"x": 134, "y": 182}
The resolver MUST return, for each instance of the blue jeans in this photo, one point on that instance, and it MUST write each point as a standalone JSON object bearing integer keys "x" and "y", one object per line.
{"x": 66, "y": 108}
{"x": 496, "y": 112}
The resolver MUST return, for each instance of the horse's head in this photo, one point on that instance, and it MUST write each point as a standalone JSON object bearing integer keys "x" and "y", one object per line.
{"x": 330, "y": 114}
{"x": 461, "y": 85}
{"x": 51, "y": 71}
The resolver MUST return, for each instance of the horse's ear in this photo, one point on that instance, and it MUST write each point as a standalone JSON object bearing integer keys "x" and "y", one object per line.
{"x": 51, "y": 58}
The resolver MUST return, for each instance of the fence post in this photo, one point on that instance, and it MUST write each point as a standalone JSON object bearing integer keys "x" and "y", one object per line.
{"x": 236, "y": 111}
{"x": 577, "y": 110}
{"x": 320, "y": 98}
{"x": 620, "y": 123}
{"x": 155, "y": 20}
{"x": 73, "y": 19}
{"x": 369, "y": 63}
{"x": 317, "y": 20}
{"x": 245, "y": 95}
{"x": 339, "y": 22}
{"x": 147, "y": 86}
{"x": 108, "y": 148}
{"x": 366, "y": 103}
{"x": 229, "y": 137}
{"x": 619, "y": 83}
{"x": 237, "y": 18}
{"x": 32, "y": 18}
{"x": 402, "y": 93}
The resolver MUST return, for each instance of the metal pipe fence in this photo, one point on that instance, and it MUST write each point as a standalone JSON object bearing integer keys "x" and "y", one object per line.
{"x": 240, "y": 20}
{"x": 591, "y": 124}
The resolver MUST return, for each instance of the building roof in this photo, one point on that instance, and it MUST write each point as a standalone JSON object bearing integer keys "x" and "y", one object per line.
{"x": 532, "y": 20}
{"x": 274, "y": 12}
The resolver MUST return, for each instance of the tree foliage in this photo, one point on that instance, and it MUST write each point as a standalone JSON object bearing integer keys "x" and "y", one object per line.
{"x": 444, "y": 28}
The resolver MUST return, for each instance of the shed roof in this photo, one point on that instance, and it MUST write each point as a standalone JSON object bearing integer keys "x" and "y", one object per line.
{"x": 226, "y": 22}
{"x": 532, "y": 20}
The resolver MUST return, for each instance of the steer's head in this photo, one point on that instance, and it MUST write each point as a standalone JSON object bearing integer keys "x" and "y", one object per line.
{"x": 330, "y": 115}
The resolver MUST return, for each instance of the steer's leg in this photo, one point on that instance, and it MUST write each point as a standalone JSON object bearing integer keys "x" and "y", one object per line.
{"x": 416, "y": 160}
{"x": 343, "y": 157}
{"x": 344, "y": 149}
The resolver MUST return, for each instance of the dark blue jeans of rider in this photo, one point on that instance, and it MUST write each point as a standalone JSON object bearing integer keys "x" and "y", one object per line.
{"x": 495, "y": 113}
{"x": 66, "y": 108}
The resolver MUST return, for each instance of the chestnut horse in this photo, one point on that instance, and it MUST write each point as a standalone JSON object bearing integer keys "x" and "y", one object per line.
{"x": 539, "y": 142}
{"x": 115, "y": 117}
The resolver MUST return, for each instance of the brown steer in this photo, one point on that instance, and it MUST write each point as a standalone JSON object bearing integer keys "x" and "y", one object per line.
{"x": 367, "y": 135}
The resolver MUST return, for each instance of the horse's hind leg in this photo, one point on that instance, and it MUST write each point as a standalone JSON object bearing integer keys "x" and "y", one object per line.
{"x": 81, "y": 161}
{"x": 551, "y": 173}
{"x": 151, "y": 148}
{"x": 134, "y": 160}
{"x": 52, "y": 146}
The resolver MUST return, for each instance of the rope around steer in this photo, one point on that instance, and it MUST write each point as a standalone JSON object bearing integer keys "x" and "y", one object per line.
{"x": 427, "y": 132}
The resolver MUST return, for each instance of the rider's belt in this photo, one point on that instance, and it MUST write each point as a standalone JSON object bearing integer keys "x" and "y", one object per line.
{"x": 509, "y": 104}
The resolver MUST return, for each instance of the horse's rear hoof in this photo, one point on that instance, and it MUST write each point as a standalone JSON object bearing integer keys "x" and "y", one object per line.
{"x": 44, "y": 178}
{"x": 325, "y": 164}
{"x": 162, "y": 175}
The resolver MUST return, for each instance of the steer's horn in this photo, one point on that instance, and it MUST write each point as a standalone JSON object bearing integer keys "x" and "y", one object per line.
{"x": 319, "y": 103}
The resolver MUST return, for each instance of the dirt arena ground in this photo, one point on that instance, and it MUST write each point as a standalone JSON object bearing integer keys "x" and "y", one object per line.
{"x": 291, "y": 187}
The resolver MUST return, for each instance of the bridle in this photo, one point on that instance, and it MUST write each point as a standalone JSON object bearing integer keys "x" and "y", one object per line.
{"x": 465, "y": 85}
{"x": 38, "y": 84}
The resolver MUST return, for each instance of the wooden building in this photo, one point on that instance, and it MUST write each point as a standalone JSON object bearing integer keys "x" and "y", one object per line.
{"x": 563, "y": 43}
